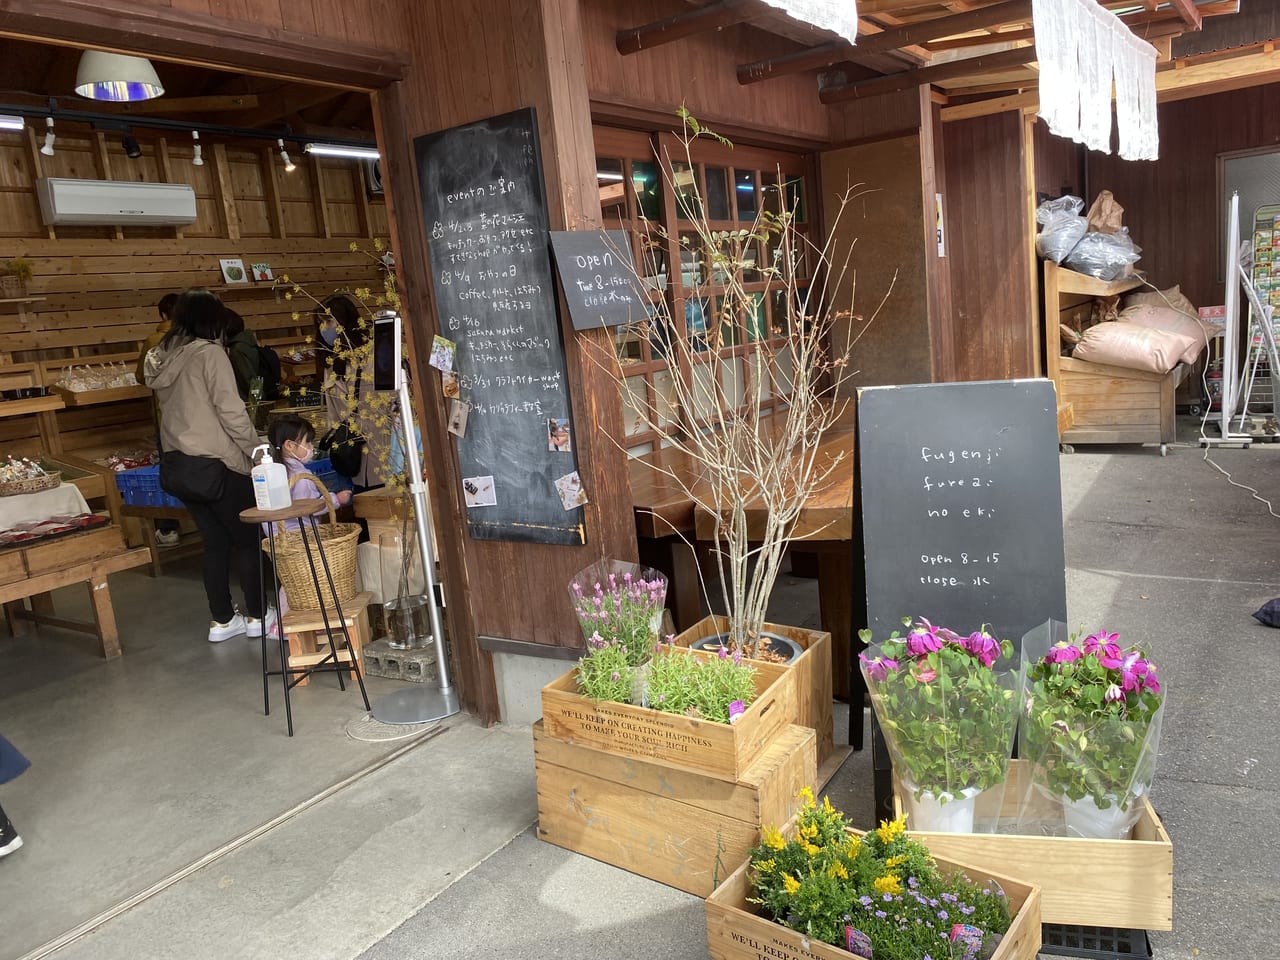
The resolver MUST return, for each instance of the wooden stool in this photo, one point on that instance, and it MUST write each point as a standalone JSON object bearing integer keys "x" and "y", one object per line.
{"x": 304, "y": 632}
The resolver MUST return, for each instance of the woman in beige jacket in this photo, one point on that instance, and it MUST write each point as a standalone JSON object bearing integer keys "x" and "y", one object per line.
{"x": 202, "y": 415}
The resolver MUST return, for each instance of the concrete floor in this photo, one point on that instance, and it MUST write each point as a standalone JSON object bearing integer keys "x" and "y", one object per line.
{"x": 146, "y": 764}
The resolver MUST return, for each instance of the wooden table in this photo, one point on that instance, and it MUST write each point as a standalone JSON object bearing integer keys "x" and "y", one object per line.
{"x": 664, "y": 512}
{"x": 89, "y": 558}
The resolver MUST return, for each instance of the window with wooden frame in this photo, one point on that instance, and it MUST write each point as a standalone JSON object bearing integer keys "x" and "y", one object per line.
{"x": 727, "y": 188}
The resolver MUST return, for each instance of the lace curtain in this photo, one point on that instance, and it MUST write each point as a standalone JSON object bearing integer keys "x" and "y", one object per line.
{"x": 1082, "y": 48}
{"x": 838, "y": 16}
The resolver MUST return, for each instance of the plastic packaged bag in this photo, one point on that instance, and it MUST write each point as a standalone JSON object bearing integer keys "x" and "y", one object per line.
{"x": 1105, "y": 256}
{"x": 1061, "y": 227}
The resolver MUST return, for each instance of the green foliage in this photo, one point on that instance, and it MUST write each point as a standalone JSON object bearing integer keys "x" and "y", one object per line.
{"x": 606, "y": 673}
{"x": 824, "y": 878}
{"x": 19, "y": 267}
{"x": 699, "y": 686}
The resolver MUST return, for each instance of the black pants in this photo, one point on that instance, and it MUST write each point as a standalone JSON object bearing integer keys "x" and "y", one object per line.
{"x": 229, "y": 541}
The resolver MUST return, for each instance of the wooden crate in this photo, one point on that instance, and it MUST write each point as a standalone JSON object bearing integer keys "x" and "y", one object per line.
{"x": 1136, "y": 874}
{"x": 73, "y": 549}
{"x": 736, "y": 932}
{"x": 683, "y": 829}
{"x": 813, "y": 679}
{"x": 719, "y": 750}
{"x": 12, "y": 569}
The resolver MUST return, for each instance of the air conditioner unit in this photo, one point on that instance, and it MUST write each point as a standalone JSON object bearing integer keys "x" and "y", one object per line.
{"x": 115, "y": 202}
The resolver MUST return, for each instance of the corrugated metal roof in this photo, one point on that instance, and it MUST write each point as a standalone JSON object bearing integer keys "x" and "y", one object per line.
{"x": 1257, "y": 22}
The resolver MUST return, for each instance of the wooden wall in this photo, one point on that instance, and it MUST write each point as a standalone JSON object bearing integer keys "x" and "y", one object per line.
{"x": 699, "y": 71}
{"x": 993, "y": 316}
{"x": 101, "y": 284}
{"x": 885, "y": 222}
{"x": 1059, "y": 164}
{"x": 1172, "y": 206}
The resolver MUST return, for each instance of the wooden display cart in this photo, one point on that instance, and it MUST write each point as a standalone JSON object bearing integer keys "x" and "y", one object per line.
{"x": 1097, "y": 402}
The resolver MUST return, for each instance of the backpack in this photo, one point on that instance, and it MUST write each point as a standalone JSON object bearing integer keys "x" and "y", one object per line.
{"x": 269, "y": 365}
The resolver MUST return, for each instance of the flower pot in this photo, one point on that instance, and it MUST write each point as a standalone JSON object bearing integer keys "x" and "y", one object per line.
{"x": 943, "y": 812}
{"x": 777, "y": 645}
{"x": 1086, "y": 819}
{"x": 12, "y": 287}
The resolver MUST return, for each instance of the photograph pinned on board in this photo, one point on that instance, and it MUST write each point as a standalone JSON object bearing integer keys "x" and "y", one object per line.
{"x": 571, "y": 492}
{"x": 558, "y": 437}
{"x": 458, "y": 412}
{"x": 479, "y": 491}
{"x": 442, "y": 352}
{"x": 261, "y": 271}
{"x": 233, "y": 270}
{"x": 449, "y": 384}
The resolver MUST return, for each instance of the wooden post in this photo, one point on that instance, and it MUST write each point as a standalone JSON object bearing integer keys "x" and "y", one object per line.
{"x": 104, "y": 170}
{"x": 321, "y": 198}
{"x": 104, "y": 617}
{"x": 37, "y": 167}
{"x": 224, "y": 189}
{"x": 166, "y": 172}
{"x": 271, "y": 188}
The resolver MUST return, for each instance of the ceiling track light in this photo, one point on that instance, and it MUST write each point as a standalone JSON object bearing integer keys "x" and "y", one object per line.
{"x": 47, "y": 149}
{"x": 132, "y": 149}
{"x": 289, "y": 165}
{"x": 341, "y": 150}
{"x": 197, "y": 158}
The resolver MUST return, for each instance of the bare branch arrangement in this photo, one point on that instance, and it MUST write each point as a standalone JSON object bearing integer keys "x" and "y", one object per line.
{"x": 769, "y": 461}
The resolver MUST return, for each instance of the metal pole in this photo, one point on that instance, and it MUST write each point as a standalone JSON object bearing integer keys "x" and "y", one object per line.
{"x": 419, "y": 703}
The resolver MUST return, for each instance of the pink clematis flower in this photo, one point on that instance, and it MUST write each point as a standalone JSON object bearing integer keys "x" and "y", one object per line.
{"x": 983, "y": 646}
{"x": 1132, "y": 670}
{"x": 924, "y": 639}
{"x": 925, "y": 674}
{"x": 1063, "y": 652}
{"x": 878, "y": 667}
{"x": 1114, "y": 694}
{"x": 1102, "y": 644}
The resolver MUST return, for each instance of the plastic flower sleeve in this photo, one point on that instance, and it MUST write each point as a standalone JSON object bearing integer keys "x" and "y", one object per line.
{"x": 622, "y": 603}
{"x": 947, "y": 707}
{"x": 1092, "y": 711}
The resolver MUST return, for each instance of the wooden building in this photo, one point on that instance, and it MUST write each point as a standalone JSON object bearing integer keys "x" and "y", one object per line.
{"x": 931, "y": 111}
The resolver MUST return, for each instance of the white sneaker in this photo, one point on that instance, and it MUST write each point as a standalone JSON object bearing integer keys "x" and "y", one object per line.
{"x": 167, "y": 538}
{"x": 253, "y": 625}
{"x": 224, "y": 631}
{"x": 11, "y": 846}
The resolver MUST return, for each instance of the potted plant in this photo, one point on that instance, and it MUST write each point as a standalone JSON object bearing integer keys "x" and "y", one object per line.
{"x": 946, "y": 705}
{"x": 622, "y": 603}
{"x": 877, "y": 894}
{"x": 15, "y": 274}
{"x": 1092, "y": 713}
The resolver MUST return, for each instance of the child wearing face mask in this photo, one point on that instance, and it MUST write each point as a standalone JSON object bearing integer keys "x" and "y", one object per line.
{"x": 293, "y": 443}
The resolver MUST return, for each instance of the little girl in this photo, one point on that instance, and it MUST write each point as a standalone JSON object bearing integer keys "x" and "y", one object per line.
{"x": 293, "y": 444}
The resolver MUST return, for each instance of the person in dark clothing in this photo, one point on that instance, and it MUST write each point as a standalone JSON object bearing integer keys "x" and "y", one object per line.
{"x": 242, "y": 348}
{"x": 167, "y": 534}
{"x": 12, "y": 763}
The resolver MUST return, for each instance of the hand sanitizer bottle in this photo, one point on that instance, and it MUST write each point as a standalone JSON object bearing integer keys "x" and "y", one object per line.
{"x": 270, "y": 482}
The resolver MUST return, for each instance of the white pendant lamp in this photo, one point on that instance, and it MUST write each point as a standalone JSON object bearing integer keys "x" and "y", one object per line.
{"x": 115, "y": 77}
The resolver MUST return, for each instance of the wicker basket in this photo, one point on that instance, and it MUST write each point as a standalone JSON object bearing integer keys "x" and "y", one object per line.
{"x": 292, "y": 568}
{"x": 34, "y": 485}
{"x": 12, "y": 286}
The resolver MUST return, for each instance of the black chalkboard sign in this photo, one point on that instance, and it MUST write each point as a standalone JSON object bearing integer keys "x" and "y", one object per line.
{"x": 486, "y": 218}
{"x": 962, "y": 505}
{"x": 598, "y": 277}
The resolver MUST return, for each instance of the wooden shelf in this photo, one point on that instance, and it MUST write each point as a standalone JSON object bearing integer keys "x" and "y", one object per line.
{"x": 16, "y": 408}
{"x": 90, "y": 398}
{"x": 22, "y": 299}
{"x": 1071, "y": 282}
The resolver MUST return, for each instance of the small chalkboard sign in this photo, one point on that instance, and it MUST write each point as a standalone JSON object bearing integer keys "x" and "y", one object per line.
{"x": 598, "y": 277}
{"x": 486, "y": 218}
{"x": 962, "y": 506}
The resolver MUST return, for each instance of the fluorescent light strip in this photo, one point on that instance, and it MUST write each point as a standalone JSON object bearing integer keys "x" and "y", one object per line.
{"x": 12, "y": 123}
{"x": 341, "y": 150}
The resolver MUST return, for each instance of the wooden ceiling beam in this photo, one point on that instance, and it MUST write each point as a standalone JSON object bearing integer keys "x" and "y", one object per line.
{"x": 1188, "y": 12}
{"x": 208, "y": 104}
{"x": 289, "y": 99}
{"x": 1008, "y": 11}
{"x": 713, "y": 16}
{"x": 970, "y": 66}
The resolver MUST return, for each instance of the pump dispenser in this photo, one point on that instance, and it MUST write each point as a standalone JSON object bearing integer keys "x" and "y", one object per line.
{"x": 270, "y": 482}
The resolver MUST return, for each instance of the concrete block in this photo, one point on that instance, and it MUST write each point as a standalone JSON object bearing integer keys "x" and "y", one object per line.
{"x": 418, "y": 665}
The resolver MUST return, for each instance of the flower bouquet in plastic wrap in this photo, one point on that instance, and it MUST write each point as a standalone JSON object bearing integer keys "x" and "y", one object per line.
{"x": 1092, "y": 712}
{"x": 946, "y": 704}
{"x": 619, "y": 608}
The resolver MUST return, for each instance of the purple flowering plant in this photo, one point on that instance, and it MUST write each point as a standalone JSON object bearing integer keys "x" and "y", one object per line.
{"x": 946, "y": 704}
{"x": 842, "y": 888}
{"x": 620, "y": 604}
{"x": 1091, "y": 716}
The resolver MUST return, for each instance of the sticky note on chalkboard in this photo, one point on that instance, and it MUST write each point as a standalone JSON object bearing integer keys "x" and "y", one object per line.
{"x": 598, "y": 276}
{"x": 570, "y": 489}
{"x": 442, "y": 352}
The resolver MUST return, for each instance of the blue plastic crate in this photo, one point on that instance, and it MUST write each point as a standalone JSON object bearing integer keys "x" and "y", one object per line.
{"x": 140, "y": 487}
{"x": 333, "y": 481}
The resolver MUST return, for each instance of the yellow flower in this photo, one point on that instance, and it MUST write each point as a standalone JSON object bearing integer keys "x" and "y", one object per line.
{"x": 379, "y": 244}
{"x": 811, "y": 849}
{"x": 353, "y": 247}
{"x": 888, "y": 884}
{"x": 809, "y": 831}
{"x": 284, "y": 278}
{"x": 838, "y": 872}
{"x": 890, "y": 830}
{"x": 827, "y": 808}
{"x": 764, "y": 866}
{"x": 790, "y": 883}
{"x": 896, "y": 861}
{"x": 295, "y": 315}
{"x": 772, "y": 838}
{"x": 852, "y": 848}
{"x": 806, "y": 798}
{"x": 288, "y": 295}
